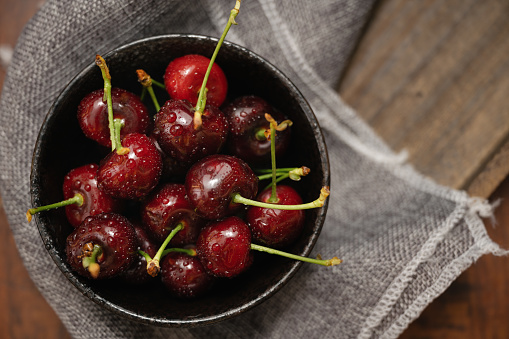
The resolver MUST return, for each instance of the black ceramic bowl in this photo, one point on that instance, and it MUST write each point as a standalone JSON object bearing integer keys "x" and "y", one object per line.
{"x": 61, "y": 146}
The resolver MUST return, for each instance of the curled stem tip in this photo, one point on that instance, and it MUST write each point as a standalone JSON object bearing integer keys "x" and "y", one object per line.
{"x": 29, "y": 215}
{"x": 278, "y": 127}
{"x": 298, "y": 173}
{"x": 144, "y": 79}
{"x": 99, "y": 61}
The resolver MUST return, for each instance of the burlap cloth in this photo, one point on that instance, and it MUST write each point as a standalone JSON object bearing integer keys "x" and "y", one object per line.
{"x": 403, "y": 238}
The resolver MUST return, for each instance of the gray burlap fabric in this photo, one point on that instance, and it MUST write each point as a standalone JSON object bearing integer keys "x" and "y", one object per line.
{"x": 403, "y": 238}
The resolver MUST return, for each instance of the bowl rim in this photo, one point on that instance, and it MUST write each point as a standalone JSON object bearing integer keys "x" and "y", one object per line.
{"x": 191, "y": 322}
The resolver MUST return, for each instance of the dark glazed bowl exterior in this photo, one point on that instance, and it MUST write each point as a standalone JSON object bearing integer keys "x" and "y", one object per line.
{"x": 62, "y": 146}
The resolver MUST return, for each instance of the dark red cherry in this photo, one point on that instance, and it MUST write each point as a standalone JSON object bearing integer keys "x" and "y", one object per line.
{"x": 184, "y": 77}
{"x": 93, "y": 115}
{"x": 224, "y": 247}
{"x": 167, "y": 207}
{"x": 115, "y": 238}
{"x": 211, "y": 182}
{"x": 82, "y": 197}
{"x": 272, "y": 227}
{"x": 137, "y": 272}
{"x": 184, "y": 275}
{"x": 134, "y": 174}
{"x": 83, "y": 180}
{"x": 246, "y": 117}
{"x": 178, "y": 137}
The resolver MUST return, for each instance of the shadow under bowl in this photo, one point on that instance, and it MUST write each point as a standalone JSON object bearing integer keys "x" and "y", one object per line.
{"x": 62, "y": 146}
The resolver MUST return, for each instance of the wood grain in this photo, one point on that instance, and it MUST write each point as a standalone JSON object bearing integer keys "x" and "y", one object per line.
{"x": 431, "y": 77}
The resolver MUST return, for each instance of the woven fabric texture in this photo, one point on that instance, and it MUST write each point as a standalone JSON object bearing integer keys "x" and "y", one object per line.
{"x": 403, "y": 238}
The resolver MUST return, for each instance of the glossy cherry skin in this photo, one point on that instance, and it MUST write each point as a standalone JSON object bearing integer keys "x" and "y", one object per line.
{"x": 224, "y": 247}
{"x": 184, "y": 77}
{"x": 132, "y": 175}
{"x": 83, "y": 180}
{"x": 167, "y": 207}
{"x": 272, "y": 227}
{"x": 137, "y": 273}
{"x": 93, "y": 115}
{"x": 211, "y": 182}
{"x": 184, "y": 276}
{"x": 177, "y": 136}
{"x": 114, "y": 234}
{"x": 246, "y": 116}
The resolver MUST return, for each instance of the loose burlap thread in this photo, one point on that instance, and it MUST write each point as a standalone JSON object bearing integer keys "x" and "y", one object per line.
{"x": 402, "y": 237}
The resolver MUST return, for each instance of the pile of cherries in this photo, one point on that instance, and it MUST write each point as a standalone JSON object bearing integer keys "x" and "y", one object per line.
{"x": 187, "y": 173}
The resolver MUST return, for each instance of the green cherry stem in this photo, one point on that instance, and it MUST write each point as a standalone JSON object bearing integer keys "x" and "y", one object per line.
{"x": 77, "y": 199}
{"x": 99, "y": 61}
{"x": 146, "y": 81}
{"x": 273, "y": 195}
{"x": 158, "y": 84}
{"x": 330, "y": 262}
{"x": 189, "y": 251}
{"x": 153, "y": 267}
{"x": 117, "y": 126}
{"x": 200, "y": 105}
{"x": 324, "y": 193}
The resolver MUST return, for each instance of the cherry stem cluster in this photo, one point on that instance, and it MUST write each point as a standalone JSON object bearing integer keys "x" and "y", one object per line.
{"x": 202, "y": 97}
{"x": 77, "y": 199}
{"x": 153, "y": 267}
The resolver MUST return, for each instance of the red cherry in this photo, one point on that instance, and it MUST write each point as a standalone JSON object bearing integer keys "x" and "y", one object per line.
{"x": 184, "y": 276}
{"x": 224, "y": 247}
{"x": 246, "y": 117}
{"x": 272, "y": 227}
{"x": 82, "y": 197}
{"x": 165, "y": 209}
{"x": 134, "y": 174}
{"x": 211, "y": 182}
{"x": 83, "y": 180}
{"x": 178, "y": 137}
{"x": 115, "y": 238}
{"x": 184, "y": 76}
{"x": 93, "y": 115}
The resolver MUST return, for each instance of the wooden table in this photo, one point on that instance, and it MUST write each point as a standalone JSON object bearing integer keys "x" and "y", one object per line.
{"x": 431, "y": 77}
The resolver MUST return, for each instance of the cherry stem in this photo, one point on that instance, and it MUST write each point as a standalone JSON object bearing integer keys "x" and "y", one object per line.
{"x": 153, "y": 267}
{"x": 324, "y": 193}
{"x": 330, "y": 262}
{"x": 273, "y": 195}
{"x": 99, "y": 61}
{"x": 118, "y": 124}
{"x": 146, "y": 81}
{"x": 279, "y": 178}
{"x": 189, "y": 251}
{"x": 90, "y": 261}
{"x": 158, "y": 84}
{"x": 77, "y": 199}
{"x": 200, "y": 105}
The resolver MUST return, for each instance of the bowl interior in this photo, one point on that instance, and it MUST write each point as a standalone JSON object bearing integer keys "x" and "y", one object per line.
{"x": 62, "y": 146}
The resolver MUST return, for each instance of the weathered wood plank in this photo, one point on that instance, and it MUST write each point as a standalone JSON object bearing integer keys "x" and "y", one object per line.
{"x": 431, "y": 77}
